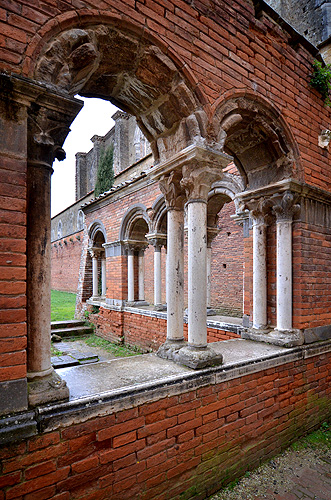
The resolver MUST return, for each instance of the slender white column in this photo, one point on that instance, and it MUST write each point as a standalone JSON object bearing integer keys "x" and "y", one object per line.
{"x": 141, "y": 275}
{"x": 130, "y": 275}
{"x": 208, "y": 276}
{"x": 103, "y": 277}
{"x": 94, "y": 274}
{"x": 259, "y": 273}
{"x": 175, "y": 274}
{"x": 284, "y": 210}
{"x": 197, "y": 272}
{"x": 157, "y": 275}
{"x": 284, "y": 275}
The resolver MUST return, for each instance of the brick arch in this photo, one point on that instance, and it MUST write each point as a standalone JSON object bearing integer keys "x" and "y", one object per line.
{"x": 222, "y": 192}
{"x": 254, "y": 132}
{"x": 135, "y": 223}
{"x": 99, "y": 55}
{"x": 159, "y": 210}
{"x": 95, "y": 230}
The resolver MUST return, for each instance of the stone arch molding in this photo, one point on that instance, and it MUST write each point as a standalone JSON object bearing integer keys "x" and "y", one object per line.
{"x": 96, "y": 227}
{"x": 135, "y": 217}
{"x": 256, "y": 135}
{"x": 133, "y": 73}
{"x": 223, "y": 192}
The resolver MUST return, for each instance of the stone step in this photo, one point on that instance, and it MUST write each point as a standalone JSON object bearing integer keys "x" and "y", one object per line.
{"x": 67, "y": 324}
{"x": 77, "y": 331}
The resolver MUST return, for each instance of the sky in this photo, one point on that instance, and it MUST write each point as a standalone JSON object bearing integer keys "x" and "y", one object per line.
{"x": 94, "y": 118}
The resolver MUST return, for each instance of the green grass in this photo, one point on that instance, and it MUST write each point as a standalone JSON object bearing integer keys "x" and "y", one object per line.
{"x": 115, "y": 349}
{"x": 320, "y": 437}
{"x": 62, "y": 305}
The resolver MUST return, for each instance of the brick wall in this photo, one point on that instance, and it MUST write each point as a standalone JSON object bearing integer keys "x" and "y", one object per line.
{"x": 65, "y": 262}
{"x": 178, "y": 442}
{"x": 146, "y": 330}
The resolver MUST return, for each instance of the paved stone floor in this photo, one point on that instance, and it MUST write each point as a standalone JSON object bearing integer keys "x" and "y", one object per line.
{"x": 303, "y": 474}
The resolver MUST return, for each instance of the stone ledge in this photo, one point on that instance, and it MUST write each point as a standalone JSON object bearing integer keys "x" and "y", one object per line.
{"x": 17, "y": 427}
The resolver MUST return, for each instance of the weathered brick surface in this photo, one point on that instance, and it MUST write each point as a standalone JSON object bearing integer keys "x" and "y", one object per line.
{"x": 186, "y": 444}
{"x": 65, "y": 258}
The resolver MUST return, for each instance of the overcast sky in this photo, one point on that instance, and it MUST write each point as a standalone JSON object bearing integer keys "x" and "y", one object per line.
{"x": 94, "y": 118}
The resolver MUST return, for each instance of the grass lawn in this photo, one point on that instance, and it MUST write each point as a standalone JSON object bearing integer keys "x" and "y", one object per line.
{"x": 62, "y": 305}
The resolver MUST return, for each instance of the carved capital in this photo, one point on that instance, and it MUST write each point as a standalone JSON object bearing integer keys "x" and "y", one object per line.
{"x": 197, "y": 180}
{"x": 260, "y": 210}
{"x": 94, "y": 252}
{"x": 286, "y": 208}
{"x": 157, "y": 240}
{"x": 135, "y": 245}
{"x": 48, "y": 127}
{"x": 172, "y": 191}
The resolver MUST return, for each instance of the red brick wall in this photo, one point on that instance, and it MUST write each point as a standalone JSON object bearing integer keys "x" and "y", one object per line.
{"x": 65, "y": 262}
{"x": 12, "y": 252}
{"x": 186, "y": 444}
{"x": 142, "y": 330}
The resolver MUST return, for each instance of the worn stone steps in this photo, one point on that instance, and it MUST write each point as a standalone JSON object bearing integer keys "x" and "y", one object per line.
{"x": 72, "y": 328}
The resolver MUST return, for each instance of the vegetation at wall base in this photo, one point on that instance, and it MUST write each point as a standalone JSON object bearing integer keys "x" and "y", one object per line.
{"x": 321, "y": 80}
{"x": 63, "y": 305}
{"x": 105, "y": 175}
{"x": 119, "y": 350}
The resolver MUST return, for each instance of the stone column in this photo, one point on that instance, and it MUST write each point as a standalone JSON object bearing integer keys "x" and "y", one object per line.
{"x": 141, "y": 275}
{"x": 211, "y": 234}
{"x": 48, "y": 122}
{"x": 95, "y": 276}
{"x": 193, "y": 169}
{"x": 130, "y": 251}
{"x": 174, "y": 198}
{"x": 197, "y": 181}
{"x": 284, "y": 210}
{"x": 259, "y": 216}
{"x": 157, "y": 276}
{"x": 103, "y": 275}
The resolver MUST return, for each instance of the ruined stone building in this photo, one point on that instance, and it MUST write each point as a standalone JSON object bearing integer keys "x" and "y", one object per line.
{"x": 240, "y": 146}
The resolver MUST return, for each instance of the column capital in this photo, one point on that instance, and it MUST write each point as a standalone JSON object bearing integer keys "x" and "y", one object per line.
{"x": 197, "y": 180}
{"x": 172, "y": 190}
{"x": 95, "y": 252}
{"x": 260, "y": 210}
{"x": 157, "y": 239}
{"x": 285, "y": 207}
{"x": 135, "y": 245}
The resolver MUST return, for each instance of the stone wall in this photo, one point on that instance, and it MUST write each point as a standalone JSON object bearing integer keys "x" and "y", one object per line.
{"x": 182, "y": 439}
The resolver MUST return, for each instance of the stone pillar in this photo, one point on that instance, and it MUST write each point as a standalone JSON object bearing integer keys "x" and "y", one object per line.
{"x": 197, "y": 181}
{"x": 284, "y": 210}
{"x": 141, "y": 275}
{"x": 211, "y": 234}
{"x": 174, "y": 198}
{"x": 192, "y": 170}
{"x": 130, "y": 251}
{"x": 157, "y": 276}
{"x": 95, "y": 276}
{"x": 103, "y": 275}
{"x": 48, "y": 122}
{"x": 259, "y": 215}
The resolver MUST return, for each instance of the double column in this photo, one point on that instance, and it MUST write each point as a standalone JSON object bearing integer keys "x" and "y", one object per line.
{"x": 196, "y": 169}
{"x": 157, "y": 240}
{"x": 96, "y": 255}
{"x": 133, "y": 247}
{"x": 47, "y": 128}
{"x": 283, "y": 208}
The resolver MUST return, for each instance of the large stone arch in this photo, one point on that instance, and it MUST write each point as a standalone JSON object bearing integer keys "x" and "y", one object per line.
{"x": 124, "y": 64}
{"x": 256, "y": 135}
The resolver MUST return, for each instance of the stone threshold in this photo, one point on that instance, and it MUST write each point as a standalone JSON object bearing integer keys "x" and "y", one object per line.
{"x": 103, "y": 388}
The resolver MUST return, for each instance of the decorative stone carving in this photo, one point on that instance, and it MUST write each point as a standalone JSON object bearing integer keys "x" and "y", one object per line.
{"x": 197, "y": 181}
{"x": 170, "y": 186}
{"x": 260, "y": 210}
{"x": 286, "y": 209}
{"x": 324, "y": 139}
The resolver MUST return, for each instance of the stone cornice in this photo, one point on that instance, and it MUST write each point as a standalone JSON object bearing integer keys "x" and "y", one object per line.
{"x": 296, "y": 187}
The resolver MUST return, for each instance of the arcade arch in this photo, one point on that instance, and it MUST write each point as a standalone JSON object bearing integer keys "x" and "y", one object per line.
{"x": 97, "y": 239}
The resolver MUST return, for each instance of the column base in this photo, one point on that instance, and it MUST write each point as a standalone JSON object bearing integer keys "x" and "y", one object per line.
{"x": 136, "y": 303}
{"x": 160, "y": 307}
{"x": 48, "y": 389}
{"x": 211, "y": 312}
{"x": 170, "y": 349}
{"x": 198, "y": 357}
{"x": 286, "y": 338}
